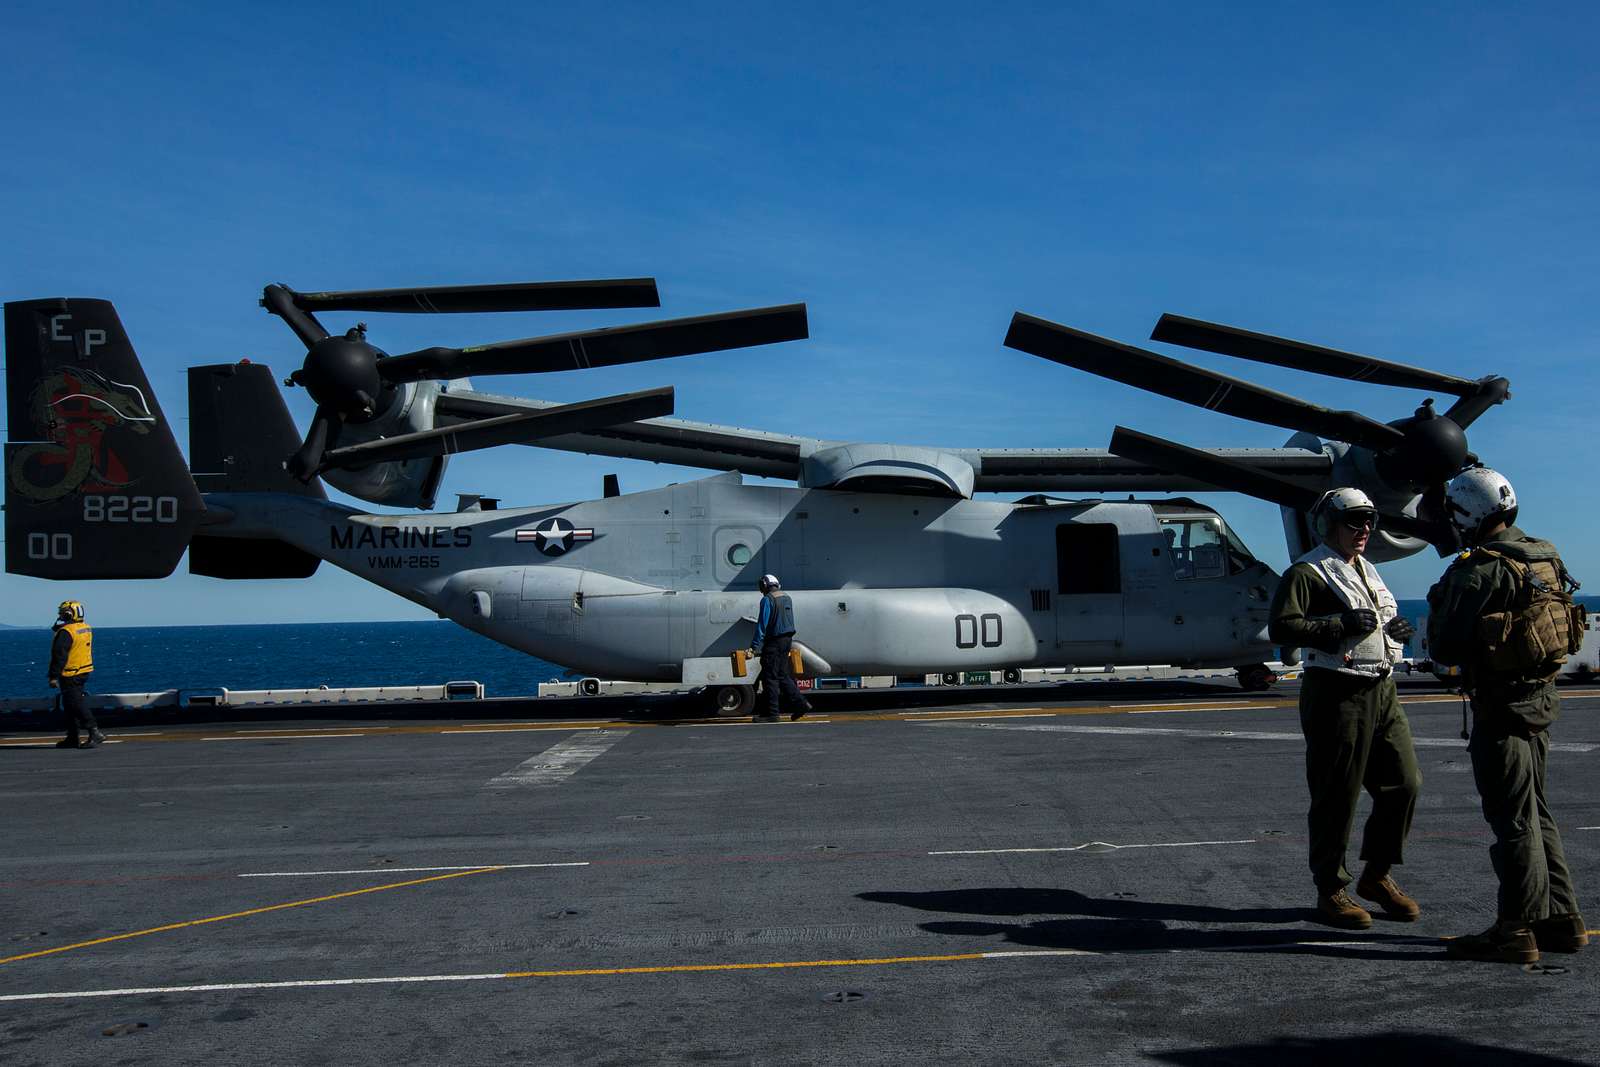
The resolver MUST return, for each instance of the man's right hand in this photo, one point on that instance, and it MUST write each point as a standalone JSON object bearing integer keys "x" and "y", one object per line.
{"x": 1400, "y": 629}
{"x": 1358, "y": 621}
{"x": 52, "y": 683}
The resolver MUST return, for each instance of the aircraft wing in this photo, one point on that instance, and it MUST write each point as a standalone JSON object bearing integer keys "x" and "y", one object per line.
{"x": 665, "y": 440}
{"x": 764, "y": 454}
{"x": 1045, "y": 470}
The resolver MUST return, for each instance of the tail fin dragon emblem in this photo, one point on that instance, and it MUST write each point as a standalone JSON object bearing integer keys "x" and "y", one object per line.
{"x": 73, "y": 410}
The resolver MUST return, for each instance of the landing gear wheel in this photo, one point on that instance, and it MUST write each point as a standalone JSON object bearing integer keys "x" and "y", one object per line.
{"x": 1255, "y": 678}
{"x": 728, "y": 700}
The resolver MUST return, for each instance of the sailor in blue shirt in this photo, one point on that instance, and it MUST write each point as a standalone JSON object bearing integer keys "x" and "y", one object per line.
{"x": 774, "y": 637}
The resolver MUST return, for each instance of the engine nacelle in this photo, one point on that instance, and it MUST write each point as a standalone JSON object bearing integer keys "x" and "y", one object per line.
{"x": 1354, "y": 467}
{"x": 411, "y": 483}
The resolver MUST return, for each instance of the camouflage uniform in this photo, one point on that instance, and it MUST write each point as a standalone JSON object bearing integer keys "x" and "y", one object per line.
{"x": 1510, "y": 739}
{"x": 1356, "y": 735}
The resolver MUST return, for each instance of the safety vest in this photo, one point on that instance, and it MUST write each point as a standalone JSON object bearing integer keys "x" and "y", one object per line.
{"x": 782, "y": 615}
{"x": 80, "y": 657}
{"x": 1371, "y": 655}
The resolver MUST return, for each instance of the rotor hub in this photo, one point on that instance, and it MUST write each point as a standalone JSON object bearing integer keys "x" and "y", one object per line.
{"x": 1433, "y": 451}
{"x": 342, "y": 373}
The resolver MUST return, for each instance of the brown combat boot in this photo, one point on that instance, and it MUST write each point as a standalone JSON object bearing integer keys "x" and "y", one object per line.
{"x": 1387, "y": 894}
{"x": 1506, "y": 941}
{"x": 1560, "y": 933}
{"x": 1337, "y": 909}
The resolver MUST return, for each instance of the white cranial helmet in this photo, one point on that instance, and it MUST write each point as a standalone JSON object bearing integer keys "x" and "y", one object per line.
{"x": 1478, "y": 498}
{"x": 769, "y": 582}
{"x": 1335, "y": 504}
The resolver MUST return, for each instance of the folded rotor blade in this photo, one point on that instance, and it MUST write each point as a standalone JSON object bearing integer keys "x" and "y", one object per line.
{"x": 507, "y": 429}
{"x": 522, "y": 296}
{"x": 1477, "y": 396}
{"x": 1192, "y": 385}
{"x": 1234, "y": 476}
{"x": 1298, "y": 355}
{"x": 308, "y": 458}
{"x": 606, "y": 347}
{"x": 1491, "y": 391}
{"x": 1226, "y": 474}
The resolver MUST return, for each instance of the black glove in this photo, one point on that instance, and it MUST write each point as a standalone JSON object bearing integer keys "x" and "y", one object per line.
{"x": 1358, "y": 621}
{"x": 1399, "y": 629}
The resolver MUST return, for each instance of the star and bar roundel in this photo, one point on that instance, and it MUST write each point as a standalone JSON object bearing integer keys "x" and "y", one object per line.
{"x": 555, "y": 536}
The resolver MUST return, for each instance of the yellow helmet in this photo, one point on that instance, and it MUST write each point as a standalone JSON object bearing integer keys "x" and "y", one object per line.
{"x": 70, "y": 611}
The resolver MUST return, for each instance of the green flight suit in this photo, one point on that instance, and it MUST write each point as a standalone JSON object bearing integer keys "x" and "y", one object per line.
{"x": 1510, "y": 739}
{"x": 1357, "y": 735}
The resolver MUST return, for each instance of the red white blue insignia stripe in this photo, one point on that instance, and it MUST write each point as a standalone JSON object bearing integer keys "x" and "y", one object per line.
{"x": 555, "y": 536}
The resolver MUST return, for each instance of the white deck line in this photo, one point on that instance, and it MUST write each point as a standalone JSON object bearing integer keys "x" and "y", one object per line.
{"x": 418, "y": 979}
{"x": 278, "y": 737}
{"x": 1202, "y": 707}
{"x": 988, "y": 715}
{"x": 410, "y": 870}
{"x": 297, "y": 729}
{"x": 1089, "y": 844}
{"x": 220, "y": 987}
{"x": 486, "y": 729}
{"x": 1180, "y": 705}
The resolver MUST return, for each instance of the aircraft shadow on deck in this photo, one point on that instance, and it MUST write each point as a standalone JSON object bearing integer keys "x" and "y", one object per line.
{"x": 638, "y": 707}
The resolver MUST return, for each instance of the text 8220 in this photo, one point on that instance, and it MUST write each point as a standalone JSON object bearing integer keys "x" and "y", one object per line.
{"x": 118, "y": 508}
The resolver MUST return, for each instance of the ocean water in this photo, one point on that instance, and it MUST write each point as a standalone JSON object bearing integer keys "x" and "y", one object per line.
{"x": 138, "y": 659}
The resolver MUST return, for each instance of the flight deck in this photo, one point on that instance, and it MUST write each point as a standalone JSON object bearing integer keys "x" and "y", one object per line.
{"x": 1107, "y": 874}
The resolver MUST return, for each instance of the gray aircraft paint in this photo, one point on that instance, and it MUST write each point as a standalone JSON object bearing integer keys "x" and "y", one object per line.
{"x": 881, "y": 583}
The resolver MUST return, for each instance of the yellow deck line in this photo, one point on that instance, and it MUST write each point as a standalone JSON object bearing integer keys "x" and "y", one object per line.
{"x": 313, "y": 983}
{"x": 243, "y": 914}
{"x": 680, "y": 968}
{"x": 901, "y": 715}
{"x": 579, "y": 972}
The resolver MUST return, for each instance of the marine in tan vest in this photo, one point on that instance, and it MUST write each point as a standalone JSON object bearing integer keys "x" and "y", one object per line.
{"x": 1333, "y": 605}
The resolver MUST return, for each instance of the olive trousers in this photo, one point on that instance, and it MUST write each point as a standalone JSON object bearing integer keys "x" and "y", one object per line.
{"x": 1357, "y": 737}
{"x": 1509, "y": 766}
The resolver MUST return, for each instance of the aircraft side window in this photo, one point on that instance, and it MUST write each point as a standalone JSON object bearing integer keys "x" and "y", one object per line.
{"x": 739, "y": 554}
{"x": 1087, "y": 560}
{"x": 1197, "y": 546}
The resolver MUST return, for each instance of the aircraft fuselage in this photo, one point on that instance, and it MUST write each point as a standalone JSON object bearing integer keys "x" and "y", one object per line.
{"x": 632, "y": 586}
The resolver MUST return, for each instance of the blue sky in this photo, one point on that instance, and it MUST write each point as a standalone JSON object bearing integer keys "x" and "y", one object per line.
{"x": 1415, "y": 182}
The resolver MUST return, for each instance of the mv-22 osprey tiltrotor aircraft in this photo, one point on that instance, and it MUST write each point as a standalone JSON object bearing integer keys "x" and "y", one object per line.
{"x": 893, "y": 566}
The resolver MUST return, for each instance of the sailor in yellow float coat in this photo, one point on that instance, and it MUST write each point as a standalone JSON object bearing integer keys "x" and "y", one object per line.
{"x": 71, "y": 663}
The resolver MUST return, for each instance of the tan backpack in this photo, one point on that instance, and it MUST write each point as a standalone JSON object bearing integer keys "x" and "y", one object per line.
{"x": 1542, "y": 626}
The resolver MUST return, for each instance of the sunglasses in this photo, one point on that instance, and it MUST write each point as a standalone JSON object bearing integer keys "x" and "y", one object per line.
{"x": 1359, "y": 522}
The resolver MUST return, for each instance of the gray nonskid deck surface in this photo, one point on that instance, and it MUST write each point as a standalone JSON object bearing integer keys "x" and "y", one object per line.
{"x": 1140, "y": 890}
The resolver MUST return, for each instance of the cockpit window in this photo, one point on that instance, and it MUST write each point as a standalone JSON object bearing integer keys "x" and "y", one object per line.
{"x": 1202, "y": 546}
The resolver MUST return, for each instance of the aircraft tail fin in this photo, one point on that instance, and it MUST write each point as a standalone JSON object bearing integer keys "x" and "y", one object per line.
{"x": 240, "y": 431}
{"x": 95, "y": 486}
